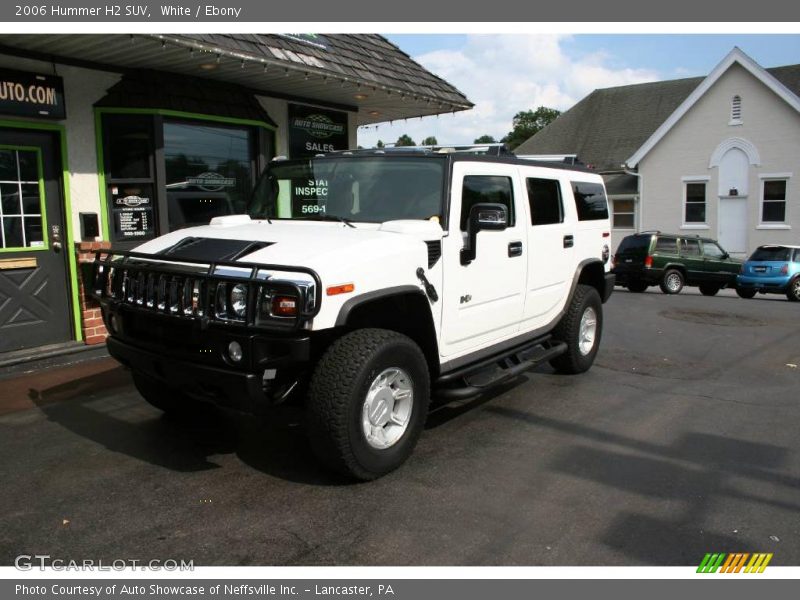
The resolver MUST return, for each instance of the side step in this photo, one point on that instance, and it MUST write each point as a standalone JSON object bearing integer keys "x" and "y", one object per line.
{"x": 473, "y": 380}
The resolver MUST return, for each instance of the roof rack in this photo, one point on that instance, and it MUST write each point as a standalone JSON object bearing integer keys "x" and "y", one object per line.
{"x": 494, "y": 149}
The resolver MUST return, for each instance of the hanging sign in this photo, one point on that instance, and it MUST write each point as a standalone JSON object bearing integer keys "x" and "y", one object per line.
{"x": 31, "y": 95}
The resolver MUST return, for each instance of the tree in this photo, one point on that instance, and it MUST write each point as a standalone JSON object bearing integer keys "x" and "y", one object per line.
{"x": 405, "y": 140}
{"x": 485, "y": 139}
{"x": 380, "y": 144}
{"x": 527, "y": 123}
{"x": 430, "y": 141}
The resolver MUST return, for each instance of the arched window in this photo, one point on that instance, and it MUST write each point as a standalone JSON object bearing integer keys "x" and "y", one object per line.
{"x": 736, "y": 109}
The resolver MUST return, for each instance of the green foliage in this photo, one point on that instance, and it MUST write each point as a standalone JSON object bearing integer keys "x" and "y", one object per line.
{"x": 485, "y": 139}
{"x": 430, "y": 141}
{"x": 527, "y": 123}
{"x": 405, "y": 140}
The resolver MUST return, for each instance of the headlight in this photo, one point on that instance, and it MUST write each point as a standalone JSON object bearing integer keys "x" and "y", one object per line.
{"x": 239, "y": 300}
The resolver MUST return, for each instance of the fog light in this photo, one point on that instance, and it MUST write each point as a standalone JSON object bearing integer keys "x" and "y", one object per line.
{"x": 235, "y": 351}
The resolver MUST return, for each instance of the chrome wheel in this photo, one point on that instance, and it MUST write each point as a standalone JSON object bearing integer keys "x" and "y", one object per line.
{"x": 796, "y": 288}
{"x": 387, "y": 408}
{"x": 673, "y": 282}
{"x": 587, "y": 331}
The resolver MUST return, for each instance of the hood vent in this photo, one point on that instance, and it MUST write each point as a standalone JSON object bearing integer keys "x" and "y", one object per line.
{"x": 434, "y": 252}
{"x": 213, "y": 249}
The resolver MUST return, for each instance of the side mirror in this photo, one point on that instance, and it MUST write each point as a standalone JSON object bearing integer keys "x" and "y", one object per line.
{"x": 484, "y": 216}
{"x": 725, "y": 256}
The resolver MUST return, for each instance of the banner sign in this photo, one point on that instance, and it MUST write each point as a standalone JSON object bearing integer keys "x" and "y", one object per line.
{"x": 25, "y": 94}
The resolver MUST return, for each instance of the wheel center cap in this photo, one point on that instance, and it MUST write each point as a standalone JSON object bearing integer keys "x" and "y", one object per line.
{"x": 380, "y": 410}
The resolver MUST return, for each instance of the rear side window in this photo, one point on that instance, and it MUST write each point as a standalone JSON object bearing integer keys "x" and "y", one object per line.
{"x": 634, "y": 242}
{"x": 486, "y": 188}
{"x": 544, "y": 196}
{"x": 590, "y": 200}
{"x": 771, "y": 253}
{"x": 690, "y": 247}
{"x": 667, "y": 245}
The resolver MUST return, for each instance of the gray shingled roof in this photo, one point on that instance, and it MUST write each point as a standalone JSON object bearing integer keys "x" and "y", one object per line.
{"x": 368, "y": 58}
{"x": 609, "y": 125}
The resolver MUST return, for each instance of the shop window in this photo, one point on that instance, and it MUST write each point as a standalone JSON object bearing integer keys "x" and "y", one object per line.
{"x": 773, "y": 203}
{"x": 486, "y": 188}
{"x": 209, "y": 171}
{"x": 624, "y": 213}
{"x": 695, "y": 203}
{"x": 544, "y": 197}
{"x": 590, "y": 200}
{"x": 21, "y": 200}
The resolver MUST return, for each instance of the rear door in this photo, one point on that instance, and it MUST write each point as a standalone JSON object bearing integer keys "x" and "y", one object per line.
{"x": 34, "y": 294}
{"x": 483, "y": 300}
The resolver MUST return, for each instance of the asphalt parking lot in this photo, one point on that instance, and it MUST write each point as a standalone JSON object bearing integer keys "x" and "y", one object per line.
{"x": 683, "y": 439}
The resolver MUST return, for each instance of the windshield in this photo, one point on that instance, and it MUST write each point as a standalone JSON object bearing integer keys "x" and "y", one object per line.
{"x": 367, "y": 189}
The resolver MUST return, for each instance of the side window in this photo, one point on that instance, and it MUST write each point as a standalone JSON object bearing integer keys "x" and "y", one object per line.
{"x": 486, "y": 188}
{"x": 667, "y": 245}
{"x": 690, "y": 247}
{"x": 712, "y": 250}
{"x": 590, "y": 200}
{"x": 544, "y": 197}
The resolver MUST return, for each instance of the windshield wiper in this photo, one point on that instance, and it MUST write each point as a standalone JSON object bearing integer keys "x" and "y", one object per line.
{"x": 323, "y": 217}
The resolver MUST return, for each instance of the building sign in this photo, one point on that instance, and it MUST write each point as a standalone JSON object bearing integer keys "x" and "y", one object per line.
{"x": 211, "y": 182}
{"x": 316, "y": 131}
{"x": 31, "y": 95}
{"x": 133, "y": 217}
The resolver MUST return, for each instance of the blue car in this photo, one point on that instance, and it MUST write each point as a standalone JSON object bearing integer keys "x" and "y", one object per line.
{"x": 771, "y": 270}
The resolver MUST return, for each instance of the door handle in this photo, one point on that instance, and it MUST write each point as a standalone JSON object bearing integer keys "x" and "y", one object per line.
{"x": 514, "y": 249}
{"x": 569, "y": 241}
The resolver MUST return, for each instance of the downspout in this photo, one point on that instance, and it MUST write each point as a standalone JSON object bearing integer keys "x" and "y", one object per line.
{"x": 638, "y": 176}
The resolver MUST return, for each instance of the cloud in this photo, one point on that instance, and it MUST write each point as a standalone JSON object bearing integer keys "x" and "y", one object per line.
{"x": 502, "y": 75}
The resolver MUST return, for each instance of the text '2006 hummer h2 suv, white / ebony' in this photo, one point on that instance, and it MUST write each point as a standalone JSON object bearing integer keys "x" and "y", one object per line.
{"x": 365, "y": 283}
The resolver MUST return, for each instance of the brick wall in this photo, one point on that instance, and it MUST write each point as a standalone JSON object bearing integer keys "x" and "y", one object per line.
{"x": 94, "y": 331}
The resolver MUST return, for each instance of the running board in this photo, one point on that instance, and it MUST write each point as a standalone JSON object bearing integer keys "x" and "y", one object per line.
{"x": 469, "y": 382}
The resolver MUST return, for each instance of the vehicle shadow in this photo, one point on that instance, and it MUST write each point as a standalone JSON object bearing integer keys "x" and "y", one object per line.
{"x": 688, "y": 478}
{"x": 106, "y": 409}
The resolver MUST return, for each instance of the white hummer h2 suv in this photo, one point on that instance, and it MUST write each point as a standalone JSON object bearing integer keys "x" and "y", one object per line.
{"x": 364, "y": 283}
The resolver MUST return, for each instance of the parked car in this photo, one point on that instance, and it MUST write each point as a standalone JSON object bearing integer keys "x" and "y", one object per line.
{"x": 672, "y": 262}
{"x": 771, "y": 270}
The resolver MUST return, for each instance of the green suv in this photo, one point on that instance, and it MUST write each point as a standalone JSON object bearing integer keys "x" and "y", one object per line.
{"x": 672, "y": 261}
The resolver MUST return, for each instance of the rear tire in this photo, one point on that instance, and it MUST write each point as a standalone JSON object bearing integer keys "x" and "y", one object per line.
{"x": 709, "y": 289}
{"x": 367, "y": 403}
{"x": 745, "y": 293}
{"x": 637, "y": 287}
{"x": 164, "y": 398}
{"x": 580, "y": 328}
{"x": 793, "y": 290}
{"x": 672, "y": 282}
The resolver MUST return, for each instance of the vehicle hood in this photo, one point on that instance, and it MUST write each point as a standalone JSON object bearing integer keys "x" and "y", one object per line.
{"x": 327, "y": 247}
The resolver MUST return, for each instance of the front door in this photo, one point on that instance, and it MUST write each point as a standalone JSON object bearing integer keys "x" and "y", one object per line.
{"x": 34, "y": 291}
{"x": 733, "y": 224}
{"x": 484, "y": 299}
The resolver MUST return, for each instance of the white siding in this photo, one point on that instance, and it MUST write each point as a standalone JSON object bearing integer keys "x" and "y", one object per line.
{"x": 767, "y": 122}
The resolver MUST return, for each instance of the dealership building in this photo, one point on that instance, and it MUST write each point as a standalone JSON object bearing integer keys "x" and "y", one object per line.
{"x": 116, "y": 139}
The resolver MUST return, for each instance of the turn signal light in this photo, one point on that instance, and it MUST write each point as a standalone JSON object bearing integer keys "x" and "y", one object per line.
{"x": 284, "y": 306}
{"x": 648, "y": 262}
{"x": 345, "y": 288}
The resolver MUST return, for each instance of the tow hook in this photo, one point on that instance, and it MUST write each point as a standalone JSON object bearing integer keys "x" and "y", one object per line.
{"x": 429, "y": 289}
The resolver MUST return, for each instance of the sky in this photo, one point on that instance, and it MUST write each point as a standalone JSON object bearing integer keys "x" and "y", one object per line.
{"x": 507, "y": 73}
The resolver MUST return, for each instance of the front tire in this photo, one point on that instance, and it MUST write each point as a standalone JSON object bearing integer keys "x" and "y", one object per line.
{"x": 746, "y": 293}
{"x": 793, "y": 290}
{"x": 367, "y": 403}
{"x": 672, "y": 282}
{"x": 580, "y": 328}
{"x": 709, "y": 289}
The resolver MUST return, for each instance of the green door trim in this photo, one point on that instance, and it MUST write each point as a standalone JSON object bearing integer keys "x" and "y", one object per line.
{"x": 98, "y": 132}
{"x": 72, "y": 263}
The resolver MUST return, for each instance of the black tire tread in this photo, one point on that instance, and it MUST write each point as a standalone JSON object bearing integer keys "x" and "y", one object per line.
{"x": 571, "y": 362}
{"x": 663, "y": 284}
{"x": 329, "y": 392}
